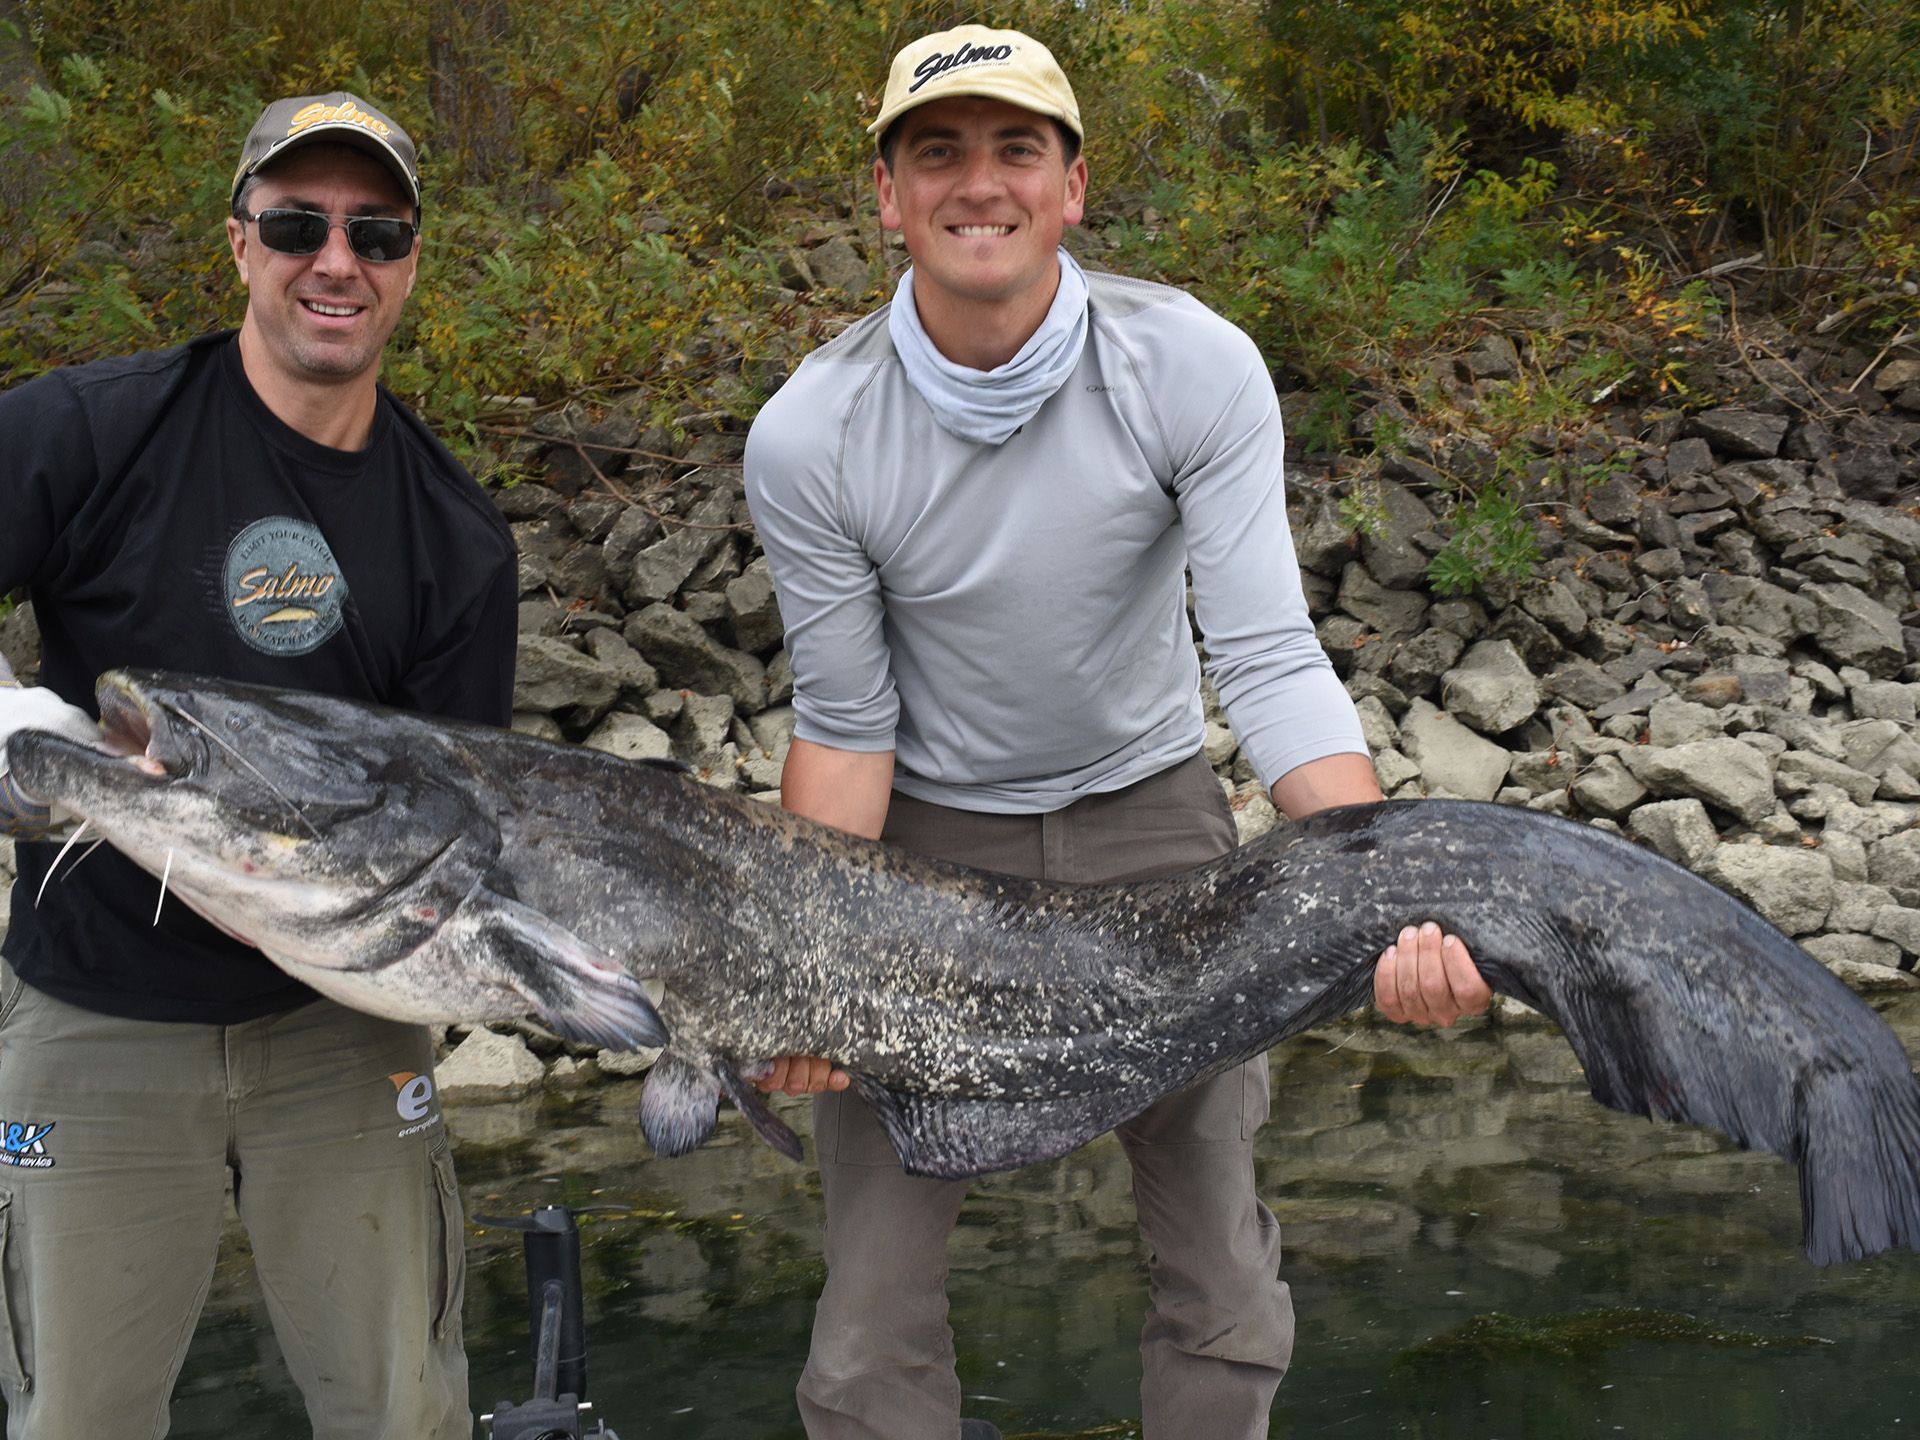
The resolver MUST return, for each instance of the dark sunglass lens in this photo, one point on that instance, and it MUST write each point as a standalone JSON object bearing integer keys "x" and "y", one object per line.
{"x": 381, "y": 240}
{"x": 292, "y": 232}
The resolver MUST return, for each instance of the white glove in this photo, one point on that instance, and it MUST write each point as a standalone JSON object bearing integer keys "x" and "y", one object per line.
{"x": 35, "y": 708}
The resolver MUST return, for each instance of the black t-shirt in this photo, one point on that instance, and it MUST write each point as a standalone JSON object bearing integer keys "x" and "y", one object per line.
{"x": 160, "y": 515}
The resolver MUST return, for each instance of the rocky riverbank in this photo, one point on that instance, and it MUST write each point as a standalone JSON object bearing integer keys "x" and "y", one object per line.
{"x": 1716, "y": 655}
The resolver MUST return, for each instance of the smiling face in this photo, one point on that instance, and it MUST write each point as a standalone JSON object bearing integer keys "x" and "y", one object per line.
{"x": 981, "y": 191}
{"x": 320, "y": 318}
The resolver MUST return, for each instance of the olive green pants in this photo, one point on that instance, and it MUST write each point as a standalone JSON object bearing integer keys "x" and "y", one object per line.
{"x": 1219, "y": 1327}
{"x": 118, "y": 1141}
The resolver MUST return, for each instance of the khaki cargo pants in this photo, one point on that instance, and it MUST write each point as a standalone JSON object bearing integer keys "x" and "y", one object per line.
{"x": 1219, "y": 1328}
{"x": 118, "y": 1139}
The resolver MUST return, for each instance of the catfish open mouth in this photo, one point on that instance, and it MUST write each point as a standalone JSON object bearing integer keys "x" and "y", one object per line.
{"x": 125, "y": 726}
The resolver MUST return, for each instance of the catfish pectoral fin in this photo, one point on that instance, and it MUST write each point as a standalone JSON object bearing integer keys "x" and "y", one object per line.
{"x": 679, "y": 1106}
{"x": 578, "y": 992}
{"x": 750, "y": 1103}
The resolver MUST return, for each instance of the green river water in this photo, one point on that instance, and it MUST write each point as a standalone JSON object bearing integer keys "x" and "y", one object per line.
{"x": 1476, "y": 1249}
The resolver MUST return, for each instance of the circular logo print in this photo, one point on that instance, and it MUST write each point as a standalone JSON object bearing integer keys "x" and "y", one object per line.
{"x": 285, "y": 592}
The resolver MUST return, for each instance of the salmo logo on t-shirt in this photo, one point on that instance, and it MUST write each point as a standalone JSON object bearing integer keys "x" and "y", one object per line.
{"x": 285, "y": 592}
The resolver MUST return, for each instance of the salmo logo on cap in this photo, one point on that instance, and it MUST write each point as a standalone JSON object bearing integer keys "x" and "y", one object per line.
{"x": 973, "y": 60}
{"x": 284, "y": 590}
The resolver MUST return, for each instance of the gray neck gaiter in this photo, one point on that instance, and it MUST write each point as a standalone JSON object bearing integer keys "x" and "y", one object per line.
{"x": 989, "y": 405}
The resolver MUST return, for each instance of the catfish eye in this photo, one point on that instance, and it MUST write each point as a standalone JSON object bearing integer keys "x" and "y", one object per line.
{"x": 236, "y": 722}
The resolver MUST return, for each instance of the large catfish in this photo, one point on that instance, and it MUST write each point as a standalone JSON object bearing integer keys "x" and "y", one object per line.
{"x": 435, "y": 872}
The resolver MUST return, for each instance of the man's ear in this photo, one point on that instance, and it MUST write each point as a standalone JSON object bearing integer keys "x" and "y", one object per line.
{"x": 237, "y": 243}
{"x": 1076, "y": 205}
{"x": 883, "y": 189}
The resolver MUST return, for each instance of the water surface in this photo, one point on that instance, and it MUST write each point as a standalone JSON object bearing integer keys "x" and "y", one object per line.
{"x": 1477, "y": 1250}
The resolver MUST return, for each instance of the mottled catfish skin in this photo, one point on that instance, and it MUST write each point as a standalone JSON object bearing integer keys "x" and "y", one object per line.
{"x": 436, "y": 872}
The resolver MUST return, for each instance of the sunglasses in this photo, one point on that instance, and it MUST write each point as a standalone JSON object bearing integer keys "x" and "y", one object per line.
{"x": 378, "y": 238}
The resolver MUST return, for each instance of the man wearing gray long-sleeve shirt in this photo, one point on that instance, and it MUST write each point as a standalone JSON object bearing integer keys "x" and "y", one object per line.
{"x": 979, "y": 505}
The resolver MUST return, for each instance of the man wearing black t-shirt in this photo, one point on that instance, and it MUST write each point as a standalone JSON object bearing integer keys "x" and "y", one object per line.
{"x": 253, "y": 506}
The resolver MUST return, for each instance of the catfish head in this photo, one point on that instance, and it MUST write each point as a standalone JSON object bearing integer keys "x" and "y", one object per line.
{"x": 325, "y": 842}
{"x": 358, "y": 847}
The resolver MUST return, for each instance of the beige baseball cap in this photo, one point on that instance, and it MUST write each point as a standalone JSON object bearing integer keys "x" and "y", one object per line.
{"x": 973, "y": 60}
{"x": 337, "y": 117}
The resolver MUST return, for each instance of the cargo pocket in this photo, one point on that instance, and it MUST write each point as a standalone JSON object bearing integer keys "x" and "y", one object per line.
{"x": 450, "y": 1227}
{"x": 14, "y": 1379}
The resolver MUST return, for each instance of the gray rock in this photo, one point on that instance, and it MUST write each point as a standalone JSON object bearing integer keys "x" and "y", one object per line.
{"x": 1376, "y": 724}
{"x": 1323, "y": 545}
{"x": 1848, "y": 853}
{"x": 773, "y": 730}
{"x": 632, "y": 531}
{"x": 1861, "y": 962}
{"x": 541, "y": 617}
{"x": 551, "y": 675}
{"x": 1885, "y": 700}
{"x": 1748, "y": 604}
{"x": 1869, "y": 472}
{"x": 1901, "y": 925}
{"x": 1492, "y": 689}
{"x": 486, "y": 1067}
{"x": 1689, "y": 456}
{"x": 1741, "y": 433}
{"x": 1615, "y": 502}
{"x": 658, "y": 571}
{"x": 1805, "y": 732}
{"x": 1418, "y": 664}
{"x": 703, "y": 731}
{"x": 1672, "y": 721}
{"x": 1607, "y": 787}
{"x": 625, "y": 1062}
{"x": 779, "y": 679}
{"x": 839, "y": 266}
{"x": 1878, "y": 747}
{"x": 1396, "y": 614}
{"x": 1895, "y": 530}
{"x": 1392, "y": 555}
{"x": 1796, "y": 772}
{"x": 1540, "y": 772}
{"x": 537, "y": 724}
{"x": 713, "y": 573}
{"x": 611, "y": 649}
{"x": 631, "y": 737}
{"x": 1678, "y": 829}
{"x": 754, "y": 610}
{"x": 1581, "y": 682}
{"x": 1790, "y": 886}
{"x": 1856, "y": 629}
{"x": 1451, "y": 757}
{"x": 1895, "y": 864}
{"x": 1253, "y": 812}
{"x": 1556, "y": 606}
{"x": 1494, "y": 359}
{"x": 1393, "y": 770}
{"x": 1856, "y": 905}
{"x": 581, "y": 571}
{"x": 1896, "y": 375}
{"x": 1724, "y": 773}
{"x": 688, "y": 657}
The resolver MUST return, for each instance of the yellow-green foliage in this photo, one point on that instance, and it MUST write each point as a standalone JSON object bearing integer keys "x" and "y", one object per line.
{"x": 1360, "y": 184}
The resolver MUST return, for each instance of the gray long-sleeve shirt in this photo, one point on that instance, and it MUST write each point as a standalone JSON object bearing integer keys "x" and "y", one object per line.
{"x": 1010, "y": 619}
